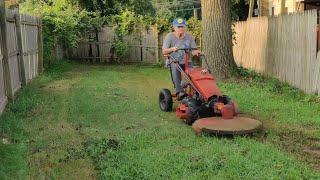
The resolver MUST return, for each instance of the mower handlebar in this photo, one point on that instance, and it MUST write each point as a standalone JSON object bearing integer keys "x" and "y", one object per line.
{"x": 172, "y": 59}
{"x": 186, "y": 49}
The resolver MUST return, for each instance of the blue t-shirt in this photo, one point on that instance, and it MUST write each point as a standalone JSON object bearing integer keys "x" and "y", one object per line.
{"x": 186, "y": 42}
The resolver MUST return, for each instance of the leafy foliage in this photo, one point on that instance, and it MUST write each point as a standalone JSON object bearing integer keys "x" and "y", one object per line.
{"x": 140, "y": 7}
{"x": 164, "y": 19}
{"x": 115, "y": 7}
{"x": 178, "y": 8}
{"x": 194, "y": 25}
{"x": 128, "y": 23}
{"x": 63, "y": 23}
{"x": 125, "y": 23}
{"x": 122, "y": 49}
{"x": 103, "y": 7}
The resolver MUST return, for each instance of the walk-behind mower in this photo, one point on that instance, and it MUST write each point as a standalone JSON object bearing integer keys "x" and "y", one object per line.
{"x": 204, "y": 106}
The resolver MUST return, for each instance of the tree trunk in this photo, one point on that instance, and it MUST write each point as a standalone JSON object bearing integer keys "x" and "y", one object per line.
{"x": 217, "y": 36}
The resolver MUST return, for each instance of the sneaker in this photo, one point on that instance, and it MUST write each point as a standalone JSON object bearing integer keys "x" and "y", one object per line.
{"x": 181, "y": 95}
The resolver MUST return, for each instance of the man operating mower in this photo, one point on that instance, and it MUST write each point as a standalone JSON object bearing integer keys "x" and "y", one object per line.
{"x": 172, "y": 42}
{"x": 200, "y": 102}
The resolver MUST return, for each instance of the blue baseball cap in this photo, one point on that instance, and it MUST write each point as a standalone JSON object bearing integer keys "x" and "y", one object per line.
{"x": 179, "y": 22}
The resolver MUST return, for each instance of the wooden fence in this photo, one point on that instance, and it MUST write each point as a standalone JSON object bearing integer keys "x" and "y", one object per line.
{"x": 97, "y": 46}
{"x": 146, "y": 47}
{"x": 283, "y": 46}
{"x": 21, "y": 51}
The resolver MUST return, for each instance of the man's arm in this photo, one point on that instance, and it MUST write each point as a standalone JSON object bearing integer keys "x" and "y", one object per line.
{"x": 168, "y": 51}
{"x": 193, "y": 45}
{"x": 166, "y": 47}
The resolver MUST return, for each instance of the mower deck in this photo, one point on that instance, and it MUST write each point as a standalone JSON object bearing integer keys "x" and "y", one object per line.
{"x": 219, "y": 126}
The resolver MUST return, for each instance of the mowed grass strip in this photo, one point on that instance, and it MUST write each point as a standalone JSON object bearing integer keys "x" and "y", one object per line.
{"x": 89, "y": 121}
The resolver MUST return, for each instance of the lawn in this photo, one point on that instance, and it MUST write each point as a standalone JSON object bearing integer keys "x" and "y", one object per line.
{"x": 81, "y": 121}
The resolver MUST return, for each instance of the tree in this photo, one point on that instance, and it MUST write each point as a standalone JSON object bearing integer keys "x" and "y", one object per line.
{"x": 217, "y": 36}
{"x": 103, "y": 7}
{"x": 141, "y": 7}
{"x": 177, "y": 8}
{"x": 113, "y": 7}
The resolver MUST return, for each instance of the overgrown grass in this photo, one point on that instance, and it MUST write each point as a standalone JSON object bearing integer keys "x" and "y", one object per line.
{"x": 79, "y": 121}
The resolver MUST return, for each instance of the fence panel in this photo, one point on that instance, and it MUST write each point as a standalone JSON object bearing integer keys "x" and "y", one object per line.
{"x": 13, "y": 51}
{"x": 150, "y": 42}
{"x": 29, "y": 35}
{"x": 135, "y": 48}
{"x": 316, "y": 80}
{"x": 253, "y": 49}
{"x": 105, "y": 38}
{"x": 283, "y": 46}
{"x": 21, "y": 52}
{"x": 141, "y": 47}
{"x": 3, "y": 97}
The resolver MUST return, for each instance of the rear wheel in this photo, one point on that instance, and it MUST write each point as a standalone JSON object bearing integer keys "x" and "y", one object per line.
{"x": 165, "y": 100}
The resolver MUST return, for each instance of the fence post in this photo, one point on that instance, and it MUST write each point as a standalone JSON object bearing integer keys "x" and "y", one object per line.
{"x": 40, "y": 47}
{"x": 19, "y": 42}
{"x": 155, "y": 31}
{"x": 7, "y": 76}
{"x": 140, "y": 43}
{"x": 159, "y": 48}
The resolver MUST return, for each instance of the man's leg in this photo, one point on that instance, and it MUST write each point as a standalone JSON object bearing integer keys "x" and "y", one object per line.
{"x": 176, "y": 75}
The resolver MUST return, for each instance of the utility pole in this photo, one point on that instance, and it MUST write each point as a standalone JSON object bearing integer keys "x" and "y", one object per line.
{"x": 195, "y": 13}
{"x": 251, "y": 4}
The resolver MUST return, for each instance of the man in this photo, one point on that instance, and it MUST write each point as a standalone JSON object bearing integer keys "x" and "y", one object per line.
{"x": 179, "y": 39}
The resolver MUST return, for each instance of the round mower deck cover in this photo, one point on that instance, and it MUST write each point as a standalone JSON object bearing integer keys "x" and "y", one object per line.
{"x": 220, "y": 126}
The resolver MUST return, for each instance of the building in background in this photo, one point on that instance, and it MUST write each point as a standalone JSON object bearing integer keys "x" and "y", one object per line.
{"x": 276, "y": 7}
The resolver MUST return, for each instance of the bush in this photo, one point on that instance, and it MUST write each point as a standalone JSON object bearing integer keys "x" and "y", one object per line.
{"x": 122, "y": 49}
{"x": 194, "y": 26}
{"x": 63, "y": 23}
{"x": 128, "y": 23}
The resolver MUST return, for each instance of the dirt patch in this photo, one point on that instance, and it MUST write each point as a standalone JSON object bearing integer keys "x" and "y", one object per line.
{"x": 90, "y": 149}
{"x": 297, "y": 141}
{"x": 61, "y": 152}
{"x": 314, "y": 152}
{"x": 65, "y": 84}
{"x": 58, "y": 86}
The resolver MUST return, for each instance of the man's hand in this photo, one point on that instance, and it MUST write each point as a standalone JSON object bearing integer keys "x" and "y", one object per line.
{"x": 173, "y": 49}
{"x": 196, "y": 53}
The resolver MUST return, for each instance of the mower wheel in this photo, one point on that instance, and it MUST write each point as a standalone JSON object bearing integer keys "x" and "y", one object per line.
{"x": 191, "y": 118}
{"x": 165, "y": 100}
